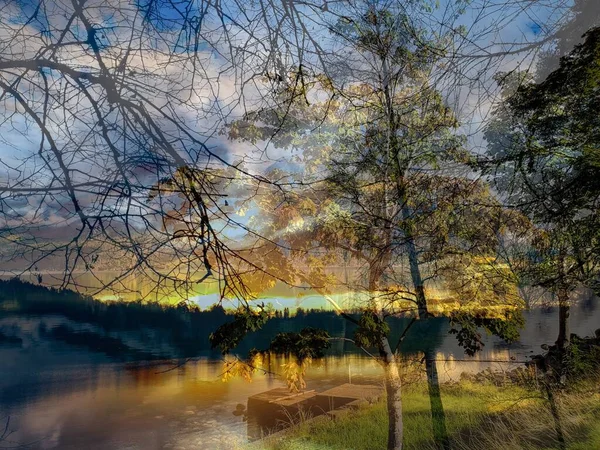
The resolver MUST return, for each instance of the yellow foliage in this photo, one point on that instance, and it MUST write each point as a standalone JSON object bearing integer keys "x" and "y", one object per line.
{"x": 237, "y": 368}
{"x": 295, "y": 372}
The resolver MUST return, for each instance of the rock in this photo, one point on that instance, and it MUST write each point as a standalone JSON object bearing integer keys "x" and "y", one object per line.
{"x": 240, "y": 409}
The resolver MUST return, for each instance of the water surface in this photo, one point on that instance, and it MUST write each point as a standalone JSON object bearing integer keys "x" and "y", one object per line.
{"x": 72, "y": 385}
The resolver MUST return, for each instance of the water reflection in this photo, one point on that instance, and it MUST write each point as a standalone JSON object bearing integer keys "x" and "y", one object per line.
{"x": 65, "y": 394}
{"x": 137, "y": 407}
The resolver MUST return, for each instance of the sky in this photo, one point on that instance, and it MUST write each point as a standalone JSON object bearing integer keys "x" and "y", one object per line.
{"x": 192, "y": 68}
{"x": 215, "y": 96}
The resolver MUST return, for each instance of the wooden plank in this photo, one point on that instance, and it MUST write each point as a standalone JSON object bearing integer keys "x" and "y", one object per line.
{"x": 269, "y": 395}
{"x": 295, "y": 397}
{"x": 281, "y": 396}
{"x": 354, "y": 404}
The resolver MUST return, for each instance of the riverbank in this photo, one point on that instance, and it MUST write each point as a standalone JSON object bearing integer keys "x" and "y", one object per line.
{"x": 479, "y": 415}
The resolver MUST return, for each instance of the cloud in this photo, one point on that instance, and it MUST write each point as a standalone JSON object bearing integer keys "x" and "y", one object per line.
{"x": 180, "y": 77}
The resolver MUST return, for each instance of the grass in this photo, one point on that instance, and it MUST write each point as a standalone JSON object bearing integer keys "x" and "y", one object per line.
{"x": 478, "y": 416}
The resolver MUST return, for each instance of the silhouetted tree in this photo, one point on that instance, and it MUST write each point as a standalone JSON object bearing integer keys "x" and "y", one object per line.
{"x": 543, "y": 143}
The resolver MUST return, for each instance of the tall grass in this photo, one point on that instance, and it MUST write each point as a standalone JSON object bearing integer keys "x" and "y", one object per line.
{"x": 479, "y": 416}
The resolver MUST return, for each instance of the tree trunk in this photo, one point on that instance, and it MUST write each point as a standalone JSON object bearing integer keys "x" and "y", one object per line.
{"x": 438, "y": 416}
{"x": 393, "y": 390}
{"x": 392, "y": 382}
{"x": 563, "y": 304}
{"x": 563, "y": 319}
{"x": 437, "y": 410}
{"x": 394, "y": 408}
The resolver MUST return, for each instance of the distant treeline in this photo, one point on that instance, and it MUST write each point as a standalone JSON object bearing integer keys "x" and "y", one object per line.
{"x": 186, "y": 327}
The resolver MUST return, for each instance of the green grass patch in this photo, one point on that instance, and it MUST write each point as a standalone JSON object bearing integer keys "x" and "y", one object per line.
{"x": 478, "y": 416}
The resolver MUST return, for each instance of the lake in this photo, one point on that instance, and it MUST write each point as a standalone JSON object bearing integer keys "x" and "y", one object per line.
{"x": 62, "y": 395}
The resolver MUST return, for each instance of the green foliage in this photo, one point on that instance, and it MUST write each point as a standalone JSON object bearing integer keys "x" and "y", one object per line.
{"x": 584, "y": 15}
{"x": 371, "y": 330}
{"x": 544, "y": 141}
{"x": 372, "y": 194}
{"x": 571, "y": 365}
{"x": 582, "y": 357}
{"x": 547, "y": 135}
{"x": 308, "y": 343}
{"x": 467, "y": 326}
{"x": 229, "y": 335}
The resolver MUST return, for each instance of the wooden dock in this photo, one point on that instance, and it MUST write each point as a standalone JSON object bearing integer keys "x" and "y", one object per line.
{"x": 282, "y": 397}
{"x": 279, "y": 408}
{"x": 350, "y": 392}
{"x": 347, "y": 396}
{"x": 276, "y": 409}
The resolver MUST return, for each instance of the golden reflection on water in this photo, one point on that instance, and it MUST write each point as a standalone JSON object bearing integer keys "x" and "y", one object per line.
{"x": 167, "y": 407}
{"x": 65, "y": 397}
